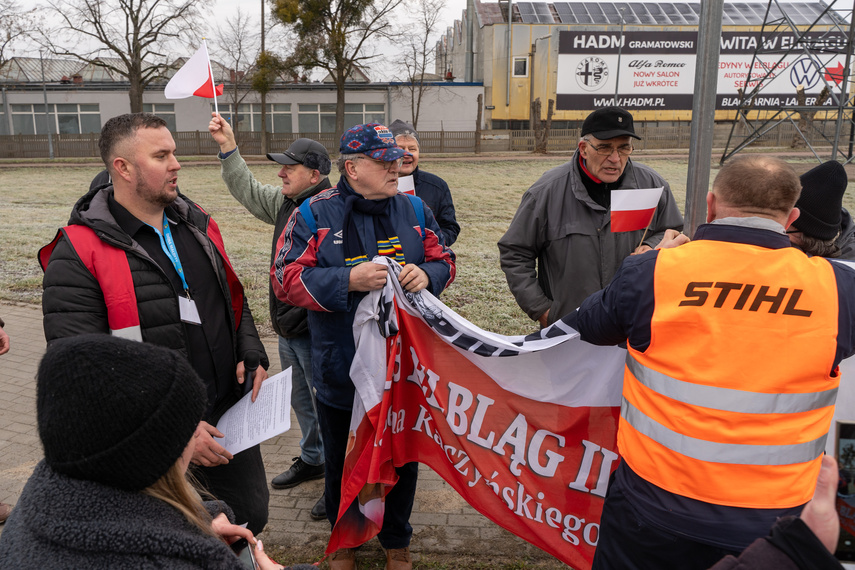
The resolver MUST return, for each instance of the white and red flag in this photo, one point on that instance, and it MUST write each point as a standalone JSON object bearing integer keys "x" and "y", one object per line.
{"x": 633, "y": 209}
{"x": 194, "y": 78}
{"x": 524, "y": 428}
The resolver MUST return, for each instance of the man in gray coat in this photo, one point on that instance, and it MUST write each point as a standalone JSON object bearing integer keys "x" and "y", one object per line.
{"x": 305, "y": 166}
{"x": 559, "y": 247}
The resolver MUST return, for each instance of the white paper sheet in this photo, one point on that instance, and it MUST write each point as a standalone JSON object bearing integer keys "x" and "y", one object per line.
{"x": 407, "y": 185}
{"x": 246, "y": 423}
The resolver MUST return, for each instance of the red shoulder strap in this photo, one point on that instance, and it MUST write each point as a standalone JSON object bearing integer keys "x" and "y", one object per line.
{"x": 109, "y": 265}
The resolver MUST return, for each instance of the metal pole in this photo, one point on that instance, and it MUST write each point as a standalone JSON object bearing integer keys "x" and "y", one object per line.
{"x": 620, "y": 45}
{"x": 844, "y": 87}
{"x": 531, "y": 75}
{"x": 703, "y": 113}
{"x": 531, "y": 85}
{"x": 510, "y": 36}
{"x": 7, "y": 115}
{"x": 47, "y": 114}
{"x": 236, "y": 115}
{"x": 851, "y": 135}
{"x": 469, "y": 71}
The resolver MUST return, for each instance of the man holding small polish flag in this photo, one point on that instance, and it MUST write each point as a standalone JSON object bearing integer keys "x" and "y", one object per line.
{"x": 577, "y": 223}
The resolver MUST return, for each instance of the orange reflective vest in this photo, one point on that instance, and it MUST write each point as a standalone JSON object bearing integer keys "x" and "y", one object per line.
{"x": 731, "y": 402}
{"x": 109, "y": 266}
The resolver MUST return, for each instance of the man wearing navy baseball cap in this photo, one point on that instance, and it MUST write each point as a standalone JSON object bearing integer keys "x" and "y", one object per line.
{"x": 304, "y": 173}
{"x": 324, "y": 264}
{"x": 559, "y": 248}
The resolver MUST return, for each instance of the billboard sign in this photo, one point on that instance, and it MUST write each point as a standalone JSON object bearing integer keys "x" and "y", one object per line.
{"x": 657, "y": 68}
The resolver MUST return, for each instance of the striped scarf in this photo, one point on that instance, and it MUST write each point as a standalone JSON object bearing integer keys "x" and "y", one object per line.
{"x": 388, "y": 244}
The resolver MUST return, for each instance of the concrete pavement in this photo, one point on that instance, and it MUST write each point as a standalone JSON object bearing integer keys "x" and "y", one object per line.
{"x": 447, "y": 531}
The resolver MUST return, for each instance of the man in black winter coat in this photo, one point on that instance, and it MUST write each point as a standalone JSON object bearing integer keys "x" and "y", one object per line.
{"x": 140, "y": 260}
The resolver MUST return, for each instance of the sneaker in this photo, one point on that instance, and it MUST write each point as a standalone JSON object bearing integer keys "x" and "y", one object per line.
{"x": 399, "y": 559}
{"x": 319, "y": 511}
{"x": 299, "y": 472}
{"x": 343, "y": 559}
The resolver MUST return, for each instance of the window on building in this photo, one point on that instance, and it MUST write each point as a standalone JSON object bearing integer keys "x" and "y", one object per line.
{"x": 248, "y": 116}
{"x": 64, "y": 118}
{"x": 320, "y": 118}
{"x": 520, "y": 67}
{"x": 316, "y": 118}
{"x": 360, "y": 113}
{"x": 278, "y": 117}
{"x": 165, "y": 111}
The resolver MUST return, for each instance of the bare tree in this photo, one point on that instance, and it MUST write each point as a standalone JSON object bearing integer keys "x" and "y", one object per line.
{"x": 418, "y": 52}
{"x": 806, "y": 117}
{"x": 135, "y": 32}
{"x": 16, "y": 24}
{"x": 334, "y": 35}
{"x": 238, "y": 46}
{"x": 268, "y": 68}
{"x": 540, "y": 126}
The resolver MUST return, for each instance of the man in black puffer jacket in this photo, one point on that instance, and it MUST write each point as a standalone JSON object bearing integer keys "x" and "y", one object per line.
{"x": 141, "y": 261}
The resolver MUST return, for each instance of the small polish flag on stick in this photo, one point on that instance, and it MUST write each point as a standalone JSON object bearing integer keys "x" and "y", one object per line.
{"x": 194, "y": 78}
{"x": 633, "y": 209}
{"x": 406, "y": 185}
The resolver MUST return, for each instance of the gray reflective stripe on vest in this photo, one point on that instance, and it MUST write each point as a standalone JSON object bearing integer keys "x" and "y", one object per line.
{"x": 130, "y": 333}
{"x": 714, "y": 452}
{"x": 727, "y": 399}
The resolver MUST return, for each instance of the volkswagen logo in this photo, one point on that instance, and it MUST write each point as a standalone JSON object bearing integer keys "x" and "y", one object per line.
{"x": 805, "y": 72}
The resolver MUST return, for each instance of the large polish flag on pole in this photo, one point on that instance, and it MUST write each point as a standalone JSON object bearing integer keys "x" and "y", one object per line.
{"x": 523, "y": 427}
{"x": 633, "y": 209}
{"x": 194, "y": 78}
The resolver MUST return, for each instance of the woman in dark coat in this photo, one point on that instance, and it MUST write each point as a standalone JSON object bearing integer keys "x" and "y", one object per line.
{"x": 117, "y": 420}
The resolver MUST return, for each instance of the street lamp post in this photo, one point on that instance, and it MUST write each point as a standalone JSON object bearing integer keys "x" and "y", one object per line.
{"x": 531, "y": 72}
{"x": 620, "y": 45}
{"x": 47, "y": 113}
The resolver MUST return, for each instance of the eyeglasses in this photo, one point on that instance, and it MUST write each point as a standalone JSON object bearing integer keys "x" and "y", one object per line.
{"x": 387, "y": 164}
{"x": 607, "y": 149}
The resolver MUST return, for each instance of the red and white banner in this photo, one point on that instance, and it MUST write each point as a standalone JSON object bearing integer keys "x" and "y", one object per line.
{"x": 633, "y": 209}
{"x": 524, "y": 428}
{"x": 194, "y": 78}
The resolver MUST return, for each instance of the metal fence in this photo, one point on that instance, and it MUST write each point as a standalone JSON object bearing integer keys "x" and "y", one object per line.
{"x": 199, "y": 143}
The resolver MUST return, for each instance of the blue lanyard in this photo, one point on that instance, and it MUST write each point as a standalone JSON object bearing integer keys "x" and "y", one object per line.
{"x": 168, "y": 246}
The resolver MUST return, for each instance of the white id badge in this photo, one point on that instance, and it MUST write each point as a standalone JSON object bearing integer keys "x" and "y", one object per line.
{"x": 189, "y": 313}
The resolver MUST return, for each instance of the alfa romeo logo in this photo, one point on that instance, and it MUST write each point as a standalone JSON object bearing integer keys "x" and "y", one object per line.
{"x": 591, "y": 73}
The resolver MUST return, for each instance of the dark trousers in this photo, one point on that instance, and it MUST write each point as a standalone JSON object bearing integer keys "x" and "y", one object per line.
{"x": 627, "y": 542}
{"x": 396, "y": 531}
{"x": 241, "y": 484}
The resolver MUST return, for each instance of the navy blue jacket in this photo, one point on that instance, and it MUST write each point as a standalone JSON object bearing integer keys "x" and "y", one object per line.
{"x": 435, "y": 193}
{"x": 621, "y": 313}
{"x": 310, "y": 271}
